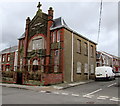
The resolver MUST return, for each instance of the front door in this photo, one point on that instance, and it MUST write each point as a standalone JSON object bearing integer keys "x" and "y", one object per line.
{"x": 35, "y": 68}
{"x": 19, "y": 78}
{"x": 35, "y": 65}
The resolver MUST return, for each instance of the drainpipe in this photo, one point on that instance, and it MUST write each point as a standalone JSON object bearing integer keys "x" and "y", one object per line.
{"x": 72, "y": 61}
{"x": 88, "y": 59}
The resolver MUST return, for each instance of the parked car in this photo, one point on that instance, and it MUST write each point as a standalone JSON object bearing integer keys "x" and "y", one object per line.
{"x": 117, "y": 73}
{"x": 104, "y": 72}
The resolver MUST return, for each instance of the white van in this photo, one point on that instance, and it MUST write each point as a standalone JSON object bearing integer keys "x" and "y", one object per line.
{"x": 104, "y": 72}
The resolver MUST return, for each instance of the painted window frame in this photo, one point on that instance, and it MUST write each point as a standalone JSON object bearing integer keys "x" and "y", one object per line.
{"x": 7, "y": 68}
{"x": 58, "y": 36}
{"x": 3, "y": 57}
{"x": 37, "y": 47}
{"x": 8, "y": 57}
{"x": 54, "y": 37}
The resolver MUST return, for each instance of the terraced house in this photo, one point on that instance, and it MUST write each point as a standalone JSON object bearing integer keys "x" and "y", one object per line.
{"x": 50, "y": 52}
{"x": 8, "y": 59}
{"x": 106, "y": 59}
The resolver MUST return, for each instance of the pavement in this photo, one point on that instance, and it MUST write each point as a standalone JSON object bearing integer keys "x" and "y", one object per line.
{"x": 47, "y": 88}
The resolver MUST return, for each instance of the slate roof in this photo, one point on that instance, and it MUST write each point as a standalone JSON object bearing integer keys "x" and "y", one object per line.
{"x": 23, "y": 35}
{"x": 60, "y": 23}
{"x": 9, "y": 50}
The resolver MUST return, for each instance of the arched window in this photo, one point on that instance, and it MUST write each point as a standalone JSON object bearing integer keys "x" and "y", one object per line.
{"x": 35, "y": 65}
{"x": 38, "y": 44}
{"x": 35, "y": 62}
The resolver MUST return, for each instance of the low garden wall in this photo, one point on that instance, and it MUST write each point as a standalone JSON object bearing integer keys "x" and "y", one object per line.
{"x": 52, "y": 78}
{"x": 8, "y": 76}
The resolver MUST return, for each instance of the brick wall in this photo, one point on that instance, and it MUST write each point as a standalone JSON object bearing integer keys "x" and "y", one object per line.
{"x": 52, "y": 78}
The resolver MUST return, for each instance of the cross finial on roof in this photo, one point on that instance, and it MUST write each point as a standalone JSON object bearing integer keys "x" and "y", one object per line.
{"x": 39, "y": 5}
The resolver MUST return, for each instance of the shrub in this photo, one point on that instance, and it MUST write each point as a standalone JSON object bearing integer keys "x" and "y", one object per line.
{"x": 7, "y": 74}
{"x": 34, "y": 76}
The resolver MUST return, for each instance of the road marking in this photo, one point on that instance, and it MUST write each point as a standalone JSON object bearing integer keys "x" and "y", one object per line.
{"x": 94, "y": 92}
{"x": 88, "y": 96}
{"x": 56, "y": 92}
{"x": 43, "y": 91}
{"x": 115, "y": 99}
{"x": 111, "y": 85}
{"x": 64, "y": 93}
{"x": 75, "y": 95}
{"x": 57, "y": 87}
{"x": 102, "y": 97}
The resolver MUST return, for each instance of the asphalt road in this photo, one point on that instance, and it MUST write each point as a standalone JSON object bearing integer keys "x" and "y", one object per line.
{"x": 100, "y": 92}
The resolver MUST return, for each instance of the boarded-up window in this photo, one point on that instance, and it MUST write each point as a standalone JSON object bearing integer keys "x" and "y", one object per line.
{"x": 86, "y": 48}
{"x": 38, "y": 44}
{"x": 78, "y": 46}
{"x": 42, "y": 65}
{"x": 92, "y": 69}
{"x": 56, "y": 57}
{"x": 86, "y": 68}
{"x": 28, "y": 65}
{"x": 92, "y": 51}
{"x": 78, "y": 67}
{"x": 56, "y": 60}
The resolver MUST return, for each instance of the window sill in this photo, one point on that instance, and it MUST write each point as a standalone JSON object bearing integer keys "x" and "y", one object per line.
{"x": 85, "y": 73}
{"x": 85, "y": 54}
{"x": 79, "y": 52}
{"x": 78, "y": 73}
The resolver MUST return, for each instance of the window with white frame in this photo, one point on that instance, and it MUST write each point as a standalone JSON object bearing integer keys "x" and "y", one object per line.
{"x": 85, "y": 68}
{"x": 38, "y": 44}
{"x": 58, "y": 36}
{"x": 3, "y": 58}
{"x": 35, "y": 62}
{"x": 8, "y": 57}
{"x": 92, "y": 69}
{"x": 78, "y": 67}
{"x": 7, "y": 67}
{"x": 54, "y": 36}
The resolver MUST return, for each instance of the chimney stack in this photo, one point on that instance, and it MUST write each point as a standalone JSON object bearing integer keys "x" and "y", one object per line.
{"x": 50, "y": 13}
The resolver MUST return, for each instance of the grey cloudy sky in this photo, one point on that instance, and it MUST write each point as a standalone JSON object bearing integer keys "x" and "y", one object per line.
{"x": 80, "y": 16}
